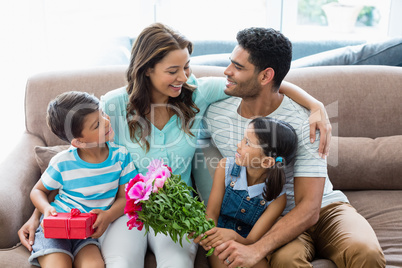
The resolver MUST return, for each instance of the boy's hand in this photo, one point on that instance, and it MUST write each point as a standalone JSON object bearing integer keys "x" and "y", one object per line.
{"x": 27, "y": 232}
{"x": 101, "y": 223}
{"x": 49, "y": 210}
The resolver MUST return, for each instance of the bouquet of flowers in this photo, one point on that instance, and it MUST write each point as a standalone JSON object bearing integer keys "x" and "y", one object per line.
{"x": 162, "y": 201}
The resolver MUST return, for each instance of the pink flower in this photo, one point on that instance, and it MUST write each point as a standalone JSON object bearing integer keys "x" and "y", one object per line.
{"x": 132, "y": 208}
{"x": 154, "y": 165}
{"x": 140, "y": 191}
{"x": 130, "y": 184}
{"x": 169, "y": 168}
{"x": 134, "y": 222}
{"x": 157, "y": 174}
{"x": 159, "y": 182}
{"x": 159, "y": 177}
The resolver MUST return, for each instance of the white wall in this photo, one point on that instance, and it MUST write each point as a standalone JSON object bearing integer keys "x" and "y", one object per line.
{"x": 395, "y": 18}
{"x": 14, "y": 66}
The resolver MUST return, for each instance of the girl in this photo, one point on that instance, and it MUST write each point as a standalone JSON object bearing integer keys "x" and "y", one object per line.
{"x": 247, "y": 195}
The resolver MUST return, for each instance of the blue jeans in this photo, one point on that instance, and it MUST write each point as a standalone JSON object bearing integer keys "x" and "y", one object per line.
{"x": 44, "y": 246}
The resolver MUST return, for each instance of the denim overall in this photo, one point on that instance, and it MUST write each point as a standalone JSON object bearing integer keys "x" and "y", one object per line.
{"x": 239, "y": 210}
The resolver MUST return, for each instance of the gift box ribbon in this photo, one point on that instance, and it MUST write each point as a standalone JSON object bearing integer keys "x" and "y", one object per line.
{"x": 73, "y": 213}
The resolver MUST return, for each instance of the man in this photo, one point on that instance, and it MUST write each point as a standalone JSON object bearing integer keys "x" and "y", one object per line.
{"x": 317, "y": 219}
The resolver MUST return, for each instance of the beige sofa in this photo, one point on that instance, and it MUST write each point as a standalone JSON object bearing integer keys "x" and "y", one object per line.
{"x": 364, "y": 105}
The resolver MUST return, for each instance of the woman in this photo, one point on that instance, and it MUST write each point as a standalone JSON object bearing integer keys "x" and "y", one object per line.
{"x": 157, "y": 115}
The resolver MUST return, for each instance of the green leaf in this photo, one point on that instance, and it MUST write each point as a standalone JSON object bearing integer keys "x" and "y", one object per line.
{"x": 210, "y": 252}
{"x": 174, "y": 211}
{"x": 176, "y": 226}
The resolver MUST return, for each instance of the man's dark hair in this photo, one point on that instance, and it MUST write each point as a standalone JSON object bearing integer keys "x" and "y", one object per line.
{"x": 66, "y": 113}
{"x": 267, "y": 48}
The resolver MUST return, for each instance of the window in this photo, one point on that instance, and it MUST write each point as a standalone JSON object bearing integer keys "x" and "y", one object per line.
{"x": 331, "y": 19}
{"x": 43, "y": 35}
{"x": 211, "y": 19}
{"x": 298, "y": 19}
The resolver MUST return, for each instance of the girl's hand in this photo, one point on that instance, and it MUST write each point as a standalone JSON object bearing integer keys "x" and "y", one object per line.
{"x": 217, "y": 236}
{"x": 101, "y": 223}
{"x": 197, "y": 239}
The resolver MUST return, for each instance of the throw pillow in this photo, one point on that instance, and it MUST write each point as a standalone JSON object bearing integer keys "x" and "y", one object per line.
{"x": 44, "y": 154}
{"x": 386, "y": 52}
{"x": 356, "y": 163}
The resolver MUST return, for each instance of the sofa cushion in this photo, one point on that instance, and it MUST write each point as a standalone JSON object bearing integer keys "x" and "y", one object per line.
{"x": 354, "y": 163}
{"x": 375, "y": 53}
{"x": 16, "y": 256}
{"x": 383, "y": 210}
{"x": 44, "y": 154}
{"x": 306, "y": 47}
{"x": 365, "y": 164}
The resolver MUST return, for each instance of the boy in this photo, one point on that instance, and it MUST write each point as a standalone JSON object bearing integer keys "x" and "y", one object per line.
{"x": 90, "y": 176}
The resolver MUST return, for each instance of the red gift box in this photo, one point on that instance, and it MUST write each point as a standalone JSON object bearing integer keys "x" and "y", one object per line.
{"x": 69, "y": 225}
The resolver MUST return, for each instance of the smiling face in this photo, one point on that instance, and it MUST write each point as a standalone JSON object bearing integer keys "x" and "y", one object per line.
{"x": 242, "y": 81}
{"x": 168, "y": 76}
{"x": 96, "y": 129}
{"x": 249, "y": 153}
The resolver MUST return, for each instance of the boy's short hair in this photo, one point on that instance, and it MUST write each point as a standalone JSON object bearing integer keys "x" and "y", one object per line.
{"x": 66, "y": 113}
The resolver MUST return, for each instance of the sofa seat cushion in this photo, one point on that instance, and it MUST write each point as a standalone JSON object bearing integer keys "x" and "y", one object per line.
{"x": 366, "y": 164}
{"x": 16, "y": 256}
{"x": 383, "y": 210}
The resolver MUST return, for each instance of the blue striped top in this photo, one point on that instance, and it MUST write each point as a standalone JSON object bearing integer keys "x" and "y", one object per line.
{"x": 84, "y": 185}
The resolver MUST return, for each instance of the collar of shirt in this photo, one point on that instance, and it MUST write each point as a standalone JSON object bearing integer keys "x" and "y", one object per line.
{"x": 241, "y": 184}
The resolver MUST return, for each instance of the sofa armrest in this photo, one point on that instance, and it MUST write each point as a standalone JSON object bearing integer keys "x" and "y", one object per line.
{"x": 18, "y": 174}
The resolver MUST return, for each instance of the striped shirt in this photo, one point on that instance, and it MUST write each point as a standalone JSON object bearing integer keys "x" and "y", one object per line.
{"x": 226, "y": 127}
{"x": 84, "y": 185}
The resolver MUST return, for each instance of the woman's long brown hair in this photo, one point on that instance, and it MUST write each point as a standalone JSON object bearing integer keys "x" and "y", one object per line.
{"x": 150, "y": 47}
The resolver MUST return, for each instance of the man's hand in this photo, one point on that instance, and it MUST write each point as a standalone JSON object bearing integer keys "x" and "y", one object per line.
{"x": 319, "y": 120}
{"x": 234, "y": 254}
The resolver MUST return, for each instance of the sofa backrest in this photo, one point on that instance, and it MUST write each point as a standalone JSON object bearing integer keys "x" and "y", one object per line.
{"x": 363, "y": 103}
{"x": 44, "y": 87}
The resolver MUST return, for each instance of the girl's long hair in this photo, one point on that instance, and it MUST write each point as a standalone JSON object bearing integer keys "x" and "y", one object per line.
{"x": 150, "y": 47}
{"x": 277, "y": 139}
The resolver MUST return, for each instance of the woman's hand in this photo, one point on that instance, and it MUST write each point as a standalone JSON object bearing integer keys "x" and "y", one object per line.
{"x": 26, "y": 233}
{"x": 319, "y": 120}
